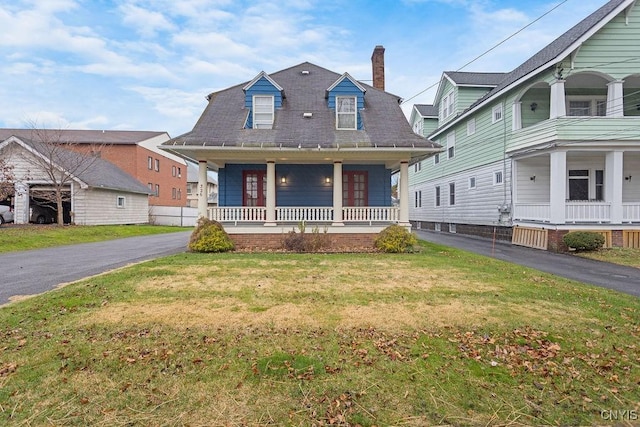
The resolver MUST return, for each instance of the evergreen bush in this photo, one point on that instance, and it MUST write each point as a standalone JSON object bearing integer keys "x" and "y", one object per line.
{"x": 395, "y": 239}
{"x": 209, "y": 236}
{"x": 584, "y": 240}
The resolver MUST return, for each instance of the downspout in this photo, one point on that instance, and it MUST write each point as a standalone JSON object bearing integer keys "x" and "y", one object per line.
{"x": 504, "y": 208}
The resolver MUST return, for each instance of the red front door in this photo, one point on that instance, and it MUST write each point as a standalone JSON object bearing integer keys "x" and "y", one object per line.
{"x": 354, "y": 188}
{"x": 255, "y": 188}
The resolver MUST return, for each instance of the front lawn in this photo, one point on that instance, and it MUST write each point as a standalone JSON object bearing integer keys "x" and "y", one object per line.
{"x": 438, "y": 337}
{"x": 25, "y": 237}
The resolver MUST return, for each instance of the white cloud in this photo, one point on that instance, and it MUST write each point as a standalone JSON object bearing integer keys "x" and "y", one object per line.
{"x": 145, "y": 22}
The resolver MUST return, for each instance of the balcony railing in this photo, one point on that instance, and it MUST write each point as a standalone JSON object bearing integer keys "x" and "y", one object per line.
{"x": 307, "y": 214}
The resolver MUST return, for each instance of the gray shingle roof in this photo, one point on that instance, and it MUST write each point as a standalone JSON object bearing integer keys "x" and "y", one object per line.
{"x": 221, "y": 123}
{"x": 465, "y": 78}
{"x": 81, "y": 136}
{"x": 93, "y": 171}
{"x": 550, "y": 53}
{"x": 427, "y": 110}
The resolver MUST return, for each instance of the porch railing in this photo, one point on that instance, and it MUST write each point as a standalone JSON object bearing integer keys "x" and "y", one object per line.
{"x": 294, "y": 214}
{"x": 308, "y": 214}
{"x": 587, "y": 212}
{"x": 371, "y": 214}
{"x": 532, "y": 212}
{"x": 574, "y": 212}
{"x": 631, "y": 212}
{"x": 238, "y": 214}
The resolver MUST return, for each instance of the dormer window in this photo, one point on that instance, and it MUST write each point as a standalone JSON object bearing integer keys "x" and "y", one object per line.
{"x": 263, "y": 110}
{"x": 346, "y": 113}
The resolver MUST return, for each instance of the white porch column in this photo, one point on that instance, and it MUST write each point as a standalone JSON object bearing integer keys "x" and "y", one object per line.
{"x": 558, "y": 106}
{"x": 613, "y": 181}
{"x": 202, "y": 189}
{"x": 516, "y": 114}
{"x": 337, "y": 194}
{"x": 558, "y": 187}
{"x": 404, "y": 194}
{"x": 271, "y": 194}
{"x": 615, "y": 107}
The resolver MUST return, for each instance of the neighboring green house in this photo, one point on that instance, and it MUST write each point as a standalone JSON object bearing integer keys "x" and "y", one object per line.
{"x": 304, "y": 145}
{"x": 550, "y": 147}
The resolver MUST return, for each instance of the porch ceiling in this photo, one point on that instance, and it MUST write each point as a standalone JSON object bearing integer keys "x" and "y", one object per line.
{"x": 219, "y": 156}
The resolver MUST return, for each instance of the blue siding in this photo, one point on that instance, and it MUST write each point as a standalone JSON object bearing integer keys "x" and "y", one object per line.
{"x": 379, "y": 183}
{"x": 305, "y": 184}
{"x": 347, "y": 88}
{"x": 261, "y": 87}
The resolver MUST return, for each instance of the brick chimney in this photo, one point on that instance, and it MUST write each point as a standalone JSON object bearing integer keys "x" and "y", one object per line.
{"x": 377, "y": 63}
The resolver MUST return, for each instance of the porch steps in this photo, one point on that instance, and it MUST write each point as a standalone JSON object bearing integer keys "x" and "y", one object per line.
{"x": 530, "y": 237}
{"x": 631, "y": 239}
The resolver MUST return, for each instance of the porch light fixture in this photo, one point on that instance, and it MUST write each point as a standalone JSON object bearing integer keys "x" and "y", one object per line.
{"x": 283, "y": 179}
{"x": 327, "y": 179}
{"x": 534, "y": 106}
{"x": 628, "y": 178}
{"x": 532, "y": 178}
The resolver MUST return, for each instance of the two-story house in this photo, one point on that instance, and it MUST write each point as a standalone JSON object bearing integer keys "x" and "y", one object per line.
{"x": 304, "y": 144}
{"x": 550, "y": 147}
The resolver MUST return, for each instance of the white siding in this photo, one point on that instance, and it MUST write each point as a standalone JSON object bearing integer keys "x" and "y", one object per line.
{"x": 98, "y": 207}
{"x": 473, "y": 206}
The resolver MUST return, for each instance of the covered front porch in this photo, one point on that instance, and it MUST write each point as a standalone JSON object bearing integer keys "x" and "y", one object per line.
{"x": 346, "y": 195}
{"x": 578, "y": 186}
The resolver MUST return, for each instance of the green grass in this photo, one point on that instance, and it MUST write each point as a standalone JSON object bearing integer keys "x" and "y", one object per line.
{"x": 441, "y": 337}
{"x": 623, "y": 256}
{"x": 21, "y": 238}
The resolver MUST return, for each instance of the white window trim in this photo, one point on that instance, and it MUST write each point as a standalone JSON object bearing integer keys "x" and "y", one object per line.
{"x": 447, "y": 106}
{"x": 495, "y": 177}
{"x": 471, "y": 126}
{"x": 593, "y": 107}
{"x": 475, "y": 183}
{"x": 495, "y": 111}
{"x": 263, "y": 124}
{"x": 451, "y": 143}
{"x": 437, "y": 196}
{"x": 354, "y": 113}
{"x": 452, "y": 185}
{"x": 120, "y": 202}
{"x": 436, "y": 158}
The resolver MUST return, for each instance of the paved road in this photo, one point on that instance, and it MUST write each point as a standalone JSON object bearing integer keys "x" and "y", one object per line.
{"x": 620, "y": 278}
{"x": 37, "y": 271}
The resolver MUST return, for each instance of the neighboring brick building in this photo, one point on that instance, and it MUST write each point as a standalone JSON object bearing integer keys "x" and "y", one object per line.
{"x": 135, "y": 152}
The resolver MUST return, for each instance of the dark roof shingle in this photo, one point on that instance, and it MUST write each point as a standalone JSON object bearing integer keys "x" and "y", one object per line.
{"x": 221, "y": 123}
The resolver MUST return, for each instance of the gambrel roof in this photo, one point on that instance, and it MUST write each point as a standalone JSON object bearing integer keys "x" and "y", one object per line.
{"x": 221, "y": 124}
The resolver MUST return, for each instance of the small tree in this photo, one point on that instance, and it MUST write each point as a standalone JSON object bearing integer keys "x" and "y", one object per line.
{"x": 7, "y": 179}
{"x": 60, "y": 160}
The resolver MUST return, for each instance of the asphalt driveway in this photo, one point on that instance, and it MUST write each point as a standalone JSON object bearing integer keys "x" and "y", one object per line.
{"x": 603, "y": 274}
{"x": 37, "y": 271}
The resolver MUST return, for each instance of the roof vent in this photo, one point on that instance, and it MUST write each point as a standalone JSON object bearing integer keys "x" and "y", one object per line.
{"x": 305, "y": 72}
{"x": 307, "y": 115}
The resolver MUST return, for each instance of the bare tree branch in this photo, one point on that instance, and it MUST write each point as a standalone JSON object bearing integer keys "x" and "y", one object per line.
{"x": 61, "y": 161}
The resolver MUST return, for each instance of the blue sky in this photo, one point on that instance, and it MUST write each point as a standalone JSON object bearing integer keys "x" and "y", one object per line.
{"x": 148, "y": 64}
